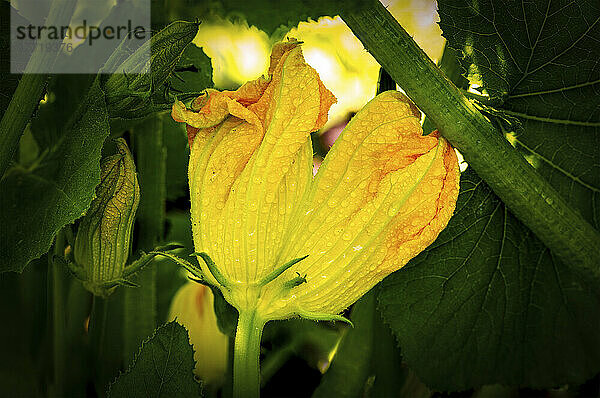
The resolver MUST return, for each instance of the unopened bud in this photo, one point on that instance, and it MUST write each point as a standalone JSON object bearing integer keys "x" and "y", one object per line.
{"x": 104, "y": 235}
{"x": 138, "y": 86}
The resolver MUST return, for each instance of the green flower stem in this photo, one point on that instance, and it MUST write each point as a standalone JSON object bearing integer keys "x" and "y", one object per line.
{"x": 69, "y": 307}
{"x": 97, "y": 333}
{"x": 58, "y": 287}
{"x": 246, "y": 373}
{"x": 31, "y": 86}
{"x": 141, "y": 303}
{"x": 528, "y": 195}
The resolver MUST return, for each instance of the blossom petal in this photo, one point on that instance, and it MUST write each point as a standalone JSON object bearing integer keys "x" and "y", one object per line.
{"x": 382, "y": 195}
{"x": 270, "y": 188}
{"x": 251, "y": 162}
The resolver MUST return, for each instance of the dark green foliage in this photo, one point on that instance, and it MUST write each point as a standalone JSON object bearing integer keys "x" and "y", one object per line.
{"x": 8, "y": 81}
{"x": 178, "y": 153}
{"x": 488, "y": 303}
{"x": 227, "y": 315}
{"x": 539, "y": 63}
{"x": 367, "y": 362}
{"x": 162, "y": 368}
{"x": 64, "y": 93}
{"x": 36, "y": 203}
{"x": 269, "y": 15}
{"x": 193, "y": 73}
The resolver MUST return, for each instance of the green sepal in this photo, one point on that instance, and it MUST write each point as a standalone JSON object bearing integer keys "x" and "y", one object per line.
{"x": 296, "y": 281}
{"x": 274, "y": 274}
{"x": 146, "y": 258}
{"x": 125, "y": 282}
{"x": 194, "y": 270}
{"x": 212, "y": 267}
{"x": 74, "y": 269}
{"x": 316, "y": 316}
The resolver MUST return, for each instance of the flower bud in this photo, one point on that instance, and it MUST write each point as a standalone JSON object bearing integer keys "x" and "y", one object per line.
{"x": 104, "y": 235}
{"x": 137, "y": 87}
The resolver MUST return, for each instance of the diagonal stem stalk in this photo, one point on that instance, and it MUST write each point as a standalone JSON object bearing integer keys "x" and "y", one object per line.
{"x": 31, "y": 86}
{"x": 246, "y": 373}
{"x": 528, "y": 195}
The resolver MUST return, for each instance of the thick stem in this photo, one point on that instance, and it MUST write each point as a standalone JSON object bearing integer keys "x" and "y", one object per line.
{"x": 31, "y": 86}
{"x": 527, "y": 194}
{"x": 101, "y": 357}
{"x": 246, "y": 373}
{"x": 97, "y": 328}
{"x": 59, "y": 324}
{"x": 140, "y": 304}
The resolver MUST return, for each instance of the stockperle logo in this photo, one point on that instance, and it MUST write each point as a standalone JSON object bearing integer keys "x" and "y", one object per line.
{"x": 83, "y": 40}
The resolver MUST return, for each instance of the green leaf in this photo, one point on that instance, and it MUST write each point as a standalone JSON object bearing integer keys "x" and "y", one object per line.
{"x": 64, "y": 94}
{"x": 488, "y": 303}
{"x": 367, "y": 361}
{"x": 194, "y": 71}
{"x": 349, "y": 369}
{"x": 539, "y": 63}
{"x": 35, "y": 204}
{"x": 227, "y": 315}
{"x": 270, "y": 16}
{"x": 163, "y": 367}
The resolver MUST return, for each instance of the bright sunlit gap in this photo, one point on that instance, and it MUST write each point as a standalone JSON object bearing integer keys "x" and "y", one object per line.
{"x": 345, "y": 67}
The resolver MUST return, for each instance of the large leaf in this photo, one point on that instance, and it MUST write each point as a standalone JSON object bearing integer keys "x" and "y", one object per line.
{"x": 64, "y": 95}
{"x": 35, "y": 204}
{"x": 488, "y": 303}
{"x": 367, "y": 362}
{"x": 350, "y": 367}
{"x": 539, "y": 63}
{"x": 163, "y": 367}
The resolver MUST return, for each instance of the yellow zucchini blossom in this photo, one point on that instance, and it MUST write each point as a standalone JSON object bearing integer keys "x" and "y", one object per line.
{"x": 281, "y": 243}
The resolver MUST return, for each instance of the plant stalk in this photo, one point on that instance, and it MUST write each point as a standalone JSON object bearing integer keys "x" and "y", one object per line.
{"x": 31, "y": 86}
{"x": 246, "y": 356}
{"x": 97, "y": 332}
{"x": 526, "y": 193}
{"x": 140, "y": 305}
{"x": 59, "y": 283}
